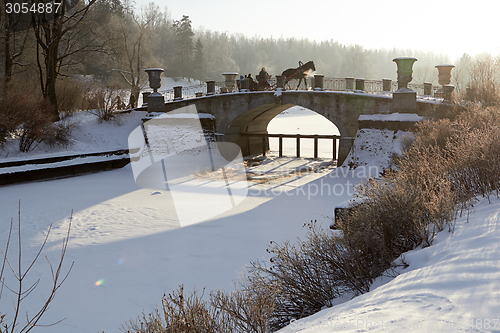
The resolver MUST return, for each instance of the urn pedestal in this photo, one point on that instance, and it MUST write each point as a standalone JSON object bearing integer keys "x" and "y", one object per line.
{"x": 156, "y": 101}
{"x": 404, "y": 99}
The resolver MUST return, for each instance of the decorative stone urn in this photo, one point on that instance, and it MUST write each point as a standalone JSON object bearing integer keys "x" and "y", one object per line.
{"x": 404, "y": 99}
{"x": 405, "y": 70}
{"x": 156, "y": 101}
{"x": 230, "y": 80}
{"x": 444, "y": 77}
{"x": 154, "y": 78}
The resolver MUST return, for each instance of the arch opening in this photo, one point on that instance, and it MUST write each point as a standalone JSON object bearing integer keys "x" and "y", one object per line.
{"x": 256, "y": 121}
{"x": 300, "y": 120}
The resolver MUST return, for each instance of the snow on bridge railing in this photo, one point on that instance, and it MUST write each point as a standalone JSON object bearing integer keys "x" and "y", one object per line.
{"x": 329, "y": 84}
{"x": 197, "y": 90}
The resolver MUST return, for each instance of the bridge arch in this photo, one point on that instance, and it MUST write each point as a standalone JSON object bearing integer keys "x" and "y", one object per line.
{"x": 251, "y": 112}
{"x": 256, "y": 121}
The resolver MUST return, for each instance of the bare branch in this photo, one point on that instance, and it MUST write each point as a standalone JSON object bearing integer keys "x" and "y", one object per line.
{"x": 20, "y": 291}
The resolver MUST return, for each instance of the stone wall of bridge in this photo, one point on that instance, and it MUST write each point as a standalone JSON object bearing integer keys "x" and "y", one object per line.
{"x": 251, "y": 112}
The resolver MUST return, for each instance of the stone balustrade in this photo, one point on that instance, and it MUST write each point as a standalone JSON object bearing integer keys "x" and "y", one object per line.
{"x": 319, "y": 82}
{"x": 233, "y": 84}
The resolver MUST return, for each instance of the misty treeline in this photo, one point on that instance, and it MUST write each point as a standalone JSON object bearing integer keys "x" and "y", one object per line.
{"x": 111, "y": 41}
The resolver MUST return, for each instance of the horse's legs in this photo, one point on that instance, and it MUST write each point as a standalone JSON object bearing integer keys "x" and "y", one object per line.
{"x": 298, "y": 85}
{"x": 300, "y": 81}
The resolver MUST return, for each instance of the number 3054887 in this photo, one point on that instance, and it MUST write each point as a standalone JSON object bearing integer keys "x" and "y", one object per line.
{"x": 33, "y": 7}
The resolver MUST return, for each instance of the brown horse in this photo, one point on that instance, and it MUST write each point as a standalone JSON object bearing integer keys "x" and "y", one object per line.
{"x": 298, "y": 73}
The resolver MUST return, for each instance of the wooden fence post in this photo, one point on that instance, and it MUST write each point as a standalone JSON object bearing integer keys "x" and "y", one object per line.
{"x": 334, "y": 147}
{"x": 281, "y": 145}
{"x": 298, "y": 145}
{"x": 315, "y": 146}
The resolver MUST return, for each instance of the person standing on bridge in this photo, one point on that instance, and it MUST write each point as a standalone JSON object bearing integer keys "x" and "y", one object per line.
{"x": 252, "y": 83}
{"x": 262, "y": 79}
{"x": 239, "y": 82}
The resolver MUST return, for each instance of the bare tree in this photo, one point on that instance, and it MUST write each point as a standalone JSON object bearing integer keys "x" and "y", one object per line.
{"x": 424, "y": 73}
{"x": 14, "y": 43}
{"x": 132, "y": 41}
{"x": 59, "y": 37}
{"x": 356, "y": 62}
{"x": 20, "y": 290}
{"x": 461, "y": 73}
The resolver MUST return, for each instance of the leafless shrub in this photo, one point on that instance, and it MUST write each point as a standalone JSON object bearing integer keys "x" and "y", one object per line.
{"x": 484, "y": 82}
{"x": 249, "y": 309}
{"x": 70, "y": 93}
{"x": 309, "y": 274}
{"x": 35, "y": 124}
{"x": 466, "y": 150}
{"x": 20, "y": 320}
{"x": 27, "y": 116}
{"x": 12, "y": 109}
{"x": 180, "y": 313}
{"x": 104, "y": 101}
{"x": 59, "y": 134}
{"x": 246, "y": 310}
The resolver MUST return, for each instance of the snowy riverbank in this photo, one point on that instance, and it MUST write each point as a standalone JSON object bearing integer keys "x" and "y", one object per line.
{"x": 128, "y": 248}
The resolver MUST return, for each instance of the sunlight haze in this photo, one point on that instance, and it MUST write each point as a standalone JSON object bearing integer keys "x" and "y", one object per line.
{"x": 448, "y": 27}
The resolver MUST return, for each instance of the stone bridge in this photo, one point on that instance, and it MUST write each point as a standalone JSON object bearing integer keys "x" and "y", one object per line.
{"x": 251, "y": 112}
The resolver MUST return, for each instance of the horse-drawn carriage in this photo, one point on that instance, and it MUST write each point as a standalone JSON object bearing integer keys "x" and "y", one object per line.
{"x": 300, "y": 73}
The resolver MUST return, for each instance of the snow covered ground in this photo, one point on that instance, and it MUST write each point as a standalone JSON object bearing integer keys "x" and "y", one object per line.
{"x": 128, "y": 248}
{"x": 375, "y": 147}
{"x": 451, "y": 286}
{"x": 88, "y": 137}
{"x": 126, "y": 242}
{"x": 298, "y": 120}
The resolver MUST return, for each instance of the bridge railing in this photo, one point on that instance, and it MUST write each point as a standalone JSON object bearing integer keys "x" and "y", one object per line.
{"x": 419, "y": 88}
{"x": 265, "y": 137}
{"x": 197, "y": 90}
{"x": 334, "y": 84}
{"x": 329, "y": 84}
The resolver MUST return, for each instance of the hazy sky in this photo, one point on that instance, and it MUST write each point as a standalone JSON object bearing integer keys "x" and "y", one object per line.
{"x": 442, "y": 26}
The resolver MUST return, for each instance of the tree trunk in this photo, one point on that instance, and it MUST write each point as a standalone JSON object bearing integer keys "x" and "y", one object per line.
{"x": 50, "y": 81}
{"x": 8, "y": 61}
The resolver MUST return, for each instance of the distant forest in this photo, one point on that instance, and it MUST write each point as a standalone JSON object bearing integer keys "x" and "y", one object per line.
{"x": 205, "y": 55}
{"x": 112, "y": 41}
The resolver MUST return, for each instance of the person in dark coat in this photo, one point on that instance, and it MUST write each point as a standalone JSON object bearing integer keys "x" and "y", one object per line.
{"x": 239, "y": 82}
{"x": 252, "y": 83}
{"x": 262, "y": 79}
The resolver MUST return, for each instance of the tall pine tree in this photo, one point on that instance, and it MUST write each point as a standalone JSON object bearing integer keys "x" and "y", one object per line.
{"x": 199, "y": 61}
{"x": 183, "y": 48}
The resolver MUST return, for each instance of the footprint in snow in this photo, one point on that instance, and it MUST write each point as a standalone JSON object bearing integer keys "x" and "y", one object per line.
{"x": 155, "y": 193}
